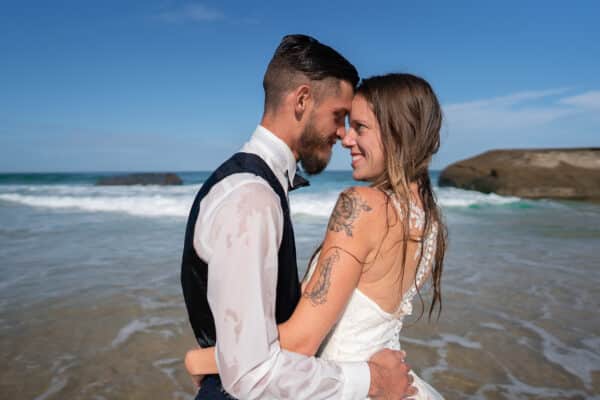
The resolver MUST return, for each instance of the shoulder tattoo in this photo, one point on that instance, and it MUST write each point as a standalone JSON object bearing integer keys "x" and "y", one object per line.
{"x": 346, "y": 211}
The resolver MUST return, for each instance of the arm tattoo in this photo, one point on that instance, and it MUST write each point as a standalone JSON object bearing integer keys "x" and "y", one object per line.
{"x": 318, "y": 293}
{"x": 347, "y": 209}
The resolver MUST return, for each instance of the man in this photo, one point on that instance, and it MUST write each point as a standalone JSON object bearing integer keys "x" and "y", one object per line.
{"x": 239, "y": 261}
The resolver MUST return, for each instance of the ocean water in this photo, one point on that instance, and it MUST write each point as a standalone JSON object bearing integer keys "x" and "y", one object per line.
{"x": 91, "y": 307}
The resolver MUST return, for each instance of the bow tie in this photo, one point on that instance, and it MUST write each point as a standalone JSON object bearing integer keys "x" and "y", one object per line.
{"x": 299, "y": 181}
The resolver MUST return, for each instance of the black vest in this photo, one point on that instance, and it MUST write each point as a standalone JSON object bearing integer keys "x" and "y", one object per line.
{"x": 194, "y": 270}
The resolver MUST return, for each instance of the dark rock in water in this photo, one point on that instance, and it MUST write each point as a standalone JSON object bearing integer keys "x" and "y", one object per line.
{"x": 141, "y": 179}
{"x": 570, "y": 174}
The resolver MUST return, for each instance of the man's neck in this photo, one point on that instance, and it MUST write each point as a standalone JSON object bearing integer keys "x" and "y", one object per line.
{"x": 281, "y": 130}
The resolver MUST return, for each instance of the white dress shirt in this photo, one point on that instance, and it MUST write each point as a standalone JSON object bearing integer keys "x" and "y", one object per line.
{"x": 238, "y": 233}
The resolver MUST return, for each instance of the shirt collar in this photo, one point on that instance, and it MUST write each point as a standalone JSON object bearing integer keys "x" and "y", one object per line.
{"x": 276, "y": 153}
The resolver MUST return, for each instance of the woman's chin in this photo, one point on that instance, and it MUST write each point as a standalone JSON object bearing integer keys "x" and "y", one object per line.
{"x": 357, "y": 175}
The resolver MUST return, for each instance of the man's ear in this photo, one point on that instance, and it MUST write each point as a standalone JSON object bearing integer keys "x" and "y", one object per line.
{"x": 303, "y": 98}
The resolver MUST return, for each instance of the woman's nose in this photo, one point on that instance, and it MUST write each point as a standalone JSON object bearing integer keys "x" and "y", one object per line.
{"x": 348, "y": 138}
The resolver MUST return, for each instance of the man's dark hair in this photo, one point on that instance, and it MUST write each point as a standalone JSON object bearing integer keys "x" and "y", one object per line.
{"x": 300, "y": 58}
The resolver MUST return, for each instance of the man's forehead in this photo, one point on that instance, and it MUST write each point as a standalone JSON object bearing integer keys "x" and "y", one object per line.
{"x": 346, "y": 89}
{"x": 342, "y": 97}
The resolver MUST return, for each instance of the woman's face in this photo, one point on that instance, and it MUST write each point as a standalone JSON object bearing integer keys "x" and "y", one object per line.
{"x": 363, "y": 139}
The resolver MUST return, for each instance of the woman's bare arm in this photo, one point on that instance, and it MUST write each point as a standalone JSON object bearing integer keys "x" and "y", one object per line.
{"x": 349, "y": 242}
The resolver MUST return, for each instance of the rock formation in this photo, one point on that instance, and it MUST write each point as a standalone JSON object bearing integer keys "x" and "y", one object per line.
{"x": 141, "y": 179}
{"x": 572, "y": 174}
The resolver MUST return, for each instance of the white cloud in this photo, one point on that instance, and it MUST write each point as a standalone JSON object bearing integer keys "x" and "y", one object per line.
{"x": 587, "y": 100}
{"x": 511, "y": 99}
{"x": 514, "y": 111}
{"x": 193, "y": 12}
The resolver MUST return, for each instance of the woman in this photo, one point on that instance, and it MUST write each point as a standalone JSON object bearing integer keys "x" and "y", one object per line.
{"x": 383, "y": 241}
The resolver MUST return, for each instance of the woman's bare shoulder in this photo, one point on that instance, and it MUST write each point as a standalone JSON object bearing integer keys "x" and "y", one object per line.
{"x": 375, "y": 199}
{"x": 358, "y": 207}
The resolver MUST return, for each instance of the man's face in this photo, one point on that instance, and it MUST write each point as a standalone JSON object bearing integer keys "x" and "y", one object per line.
{"x": 325, "y": 124}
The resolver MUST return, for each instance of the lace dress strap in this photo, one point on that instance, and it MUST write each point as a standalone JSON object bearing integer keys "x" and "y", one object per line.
{"x": 417, "y": 215}
{"x": 428, "y": 247}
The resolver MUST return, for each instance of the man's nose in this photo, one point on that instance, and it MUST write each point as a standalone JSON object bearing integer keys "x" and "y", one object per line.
{"x": 341, "y": 132}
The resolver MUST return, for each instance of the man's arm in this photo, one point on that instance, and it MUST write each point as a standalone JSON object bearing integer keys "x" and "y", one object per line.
{"x": 351, "y": 235}
{"x": 244, "y": 236}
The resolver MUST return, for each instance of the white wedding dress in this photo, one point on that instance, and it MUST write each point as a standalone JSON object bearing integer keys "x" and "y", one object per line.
{"x": 365, "y": 328}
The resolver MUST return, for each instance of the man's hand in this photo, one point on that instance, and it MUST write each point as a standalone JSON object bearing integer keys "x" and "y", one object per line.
{"x": 389, "y": 376}
{"x": 196, "y": 378}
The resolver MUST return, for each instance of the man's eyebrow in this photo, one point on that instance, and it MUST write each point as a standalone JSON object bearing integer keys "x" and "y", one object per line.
{"x": 342, "y": 111}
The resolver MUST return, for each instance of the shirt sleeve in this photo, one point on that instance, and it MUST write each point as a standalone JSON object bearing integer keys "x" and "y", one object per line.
{"x": 244, "y": 237}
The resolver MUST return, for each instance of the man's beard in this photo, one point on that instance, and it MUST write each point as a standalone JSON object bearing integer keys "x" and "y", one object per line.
{"x": 312, "y": 146}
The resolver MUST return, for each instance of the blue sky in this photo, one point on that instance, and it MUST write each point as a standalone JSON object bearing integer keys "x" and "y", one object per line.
{"x": 176, "y": 85}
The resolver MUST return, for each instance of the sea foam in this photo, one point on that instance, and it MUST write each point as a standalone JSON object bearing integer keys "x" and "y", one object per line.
{"x": 157, "y": 201}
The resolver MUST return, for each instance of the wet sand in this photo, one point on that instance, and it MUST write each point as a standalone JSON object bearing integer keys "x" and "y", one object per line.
{"x": 491, "y": 343}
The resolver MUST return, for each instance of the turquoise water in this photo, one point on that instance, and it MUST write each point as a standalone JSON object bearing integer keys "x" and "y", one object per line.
{"x": 90, "y": 303}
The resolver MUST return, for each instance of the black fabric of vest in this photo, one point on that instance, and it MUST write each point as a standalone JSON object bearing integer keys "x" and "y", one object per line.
{"x": 194, "y": 270}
